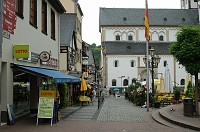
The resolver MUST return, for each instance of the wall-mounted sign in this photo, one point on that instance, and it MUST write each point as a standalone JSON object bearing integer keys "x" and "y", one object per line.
{"x": 21, "y": 51}
{"x": 9, "y": 17}
{"x": 6, "y": 34}
{"x": 51, "y": 62}
{"x": 44, "y": 56}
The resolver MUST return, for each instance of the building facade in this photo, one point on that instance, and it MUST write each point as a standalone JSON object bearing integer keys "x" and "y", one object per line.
{"x": 36, "y": 33}
{"x": 124, "y": 44}
{"x": 72, "y": 39}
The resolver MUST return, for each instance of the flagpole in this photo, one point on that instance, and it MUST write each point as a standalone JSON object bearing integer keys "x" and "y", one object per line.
{"x": 146, "y": 23}
{"x": 147, "y": 78}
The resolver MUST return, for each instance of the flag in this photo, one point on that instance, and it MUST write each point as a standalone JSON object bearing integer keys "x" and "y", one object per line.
{"x": 83, "y": 84}
{"x": 146, "y": 22}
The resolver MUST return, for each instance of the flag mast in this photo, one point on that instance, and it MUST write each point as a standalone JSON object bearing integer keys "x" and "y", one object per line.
{"x": 146, "y": 23}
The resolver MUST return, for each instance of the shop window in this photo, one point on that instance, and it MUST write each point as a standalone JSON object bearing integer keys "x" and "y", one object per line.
{"x": 44, "y": 17}
{"x": 52, "y": 24}
{"x": 19, "y": 8}
{"x": 114, "y": 82}
{"x": 33, "y": 13}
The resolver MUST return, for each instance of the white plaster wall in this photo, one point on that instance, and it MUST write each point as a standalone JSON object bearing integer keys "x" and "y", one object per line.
{"x": 154, "y": 33}
{"x": 124, "y": 69}
{"x": 180, "y": 73}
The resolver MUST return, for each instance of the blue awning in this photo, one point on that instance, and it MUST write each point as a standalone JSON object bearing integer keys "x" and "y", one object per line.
{"x": 59, "y": 77}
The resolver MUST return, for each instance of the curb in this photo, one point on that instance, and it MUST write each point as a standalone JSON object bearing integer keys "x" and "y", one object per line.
{"x": 170, "y": 119}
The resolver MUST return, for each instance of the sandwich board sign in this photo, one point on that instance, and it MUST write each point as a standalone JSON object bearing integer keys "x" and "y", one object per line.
{"x": 11, "y": 114}
{"x": 45, "y": 106}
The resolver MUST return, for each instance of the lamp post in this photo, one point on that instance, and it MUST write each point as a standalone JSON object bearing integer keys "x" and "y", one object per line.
{"x": 153, "y": 61}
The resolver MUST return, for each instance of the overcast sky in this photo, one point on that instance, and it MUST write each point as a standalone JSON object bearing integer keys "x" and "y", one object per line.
{"x": 90, "y": 8}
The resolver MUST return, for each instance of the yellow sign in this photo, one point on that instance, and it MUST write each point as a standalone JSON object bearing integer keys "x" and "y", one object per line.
{"x": 21, "y": 51}
{"x": 47, "y": 93}
{"x": 45, "y": 107}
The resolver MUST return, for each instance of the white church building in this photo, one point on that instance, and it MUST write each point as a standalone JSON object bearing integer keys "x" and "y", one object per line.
{"x": 124, "y": 44}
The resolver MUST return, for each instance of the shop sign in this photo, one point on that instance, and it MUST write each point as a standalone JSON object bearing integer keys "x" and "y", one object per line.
{"x": 9, "y": 19}
{"x": 34, "y": 57}
{"x": 21, "y": 51}
{"x": 47, "y": 93}
{"x": 51, "y": 62}
{"x": 45, "y": 107}
{"x": 44, "y": 56}
{"x": 6, "y": 34}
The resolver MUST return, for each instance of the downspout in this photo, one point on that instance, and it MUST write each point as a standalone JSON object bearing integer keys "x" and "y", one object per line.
{"x": 58, "y": 41}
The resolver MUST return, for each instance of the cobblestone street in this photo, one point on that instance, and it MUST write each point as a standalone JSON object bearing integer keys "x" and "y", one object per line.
{"x": 115, "y": 115}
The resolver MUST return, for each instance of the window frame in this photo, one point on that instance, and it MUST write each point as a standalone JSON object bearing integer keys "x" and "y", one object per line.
{"x": 182, "y": 81}
{"x": 132, "y": 63}
{"x": 116, "y": 63}
{"x": 44, "y": 17}
{"x": 53, "y": 34}
{"x": 165, "y": 63}
{"x": 114, "y": 82}
{"x": 33, "y": 13}
{"x": 117, "y": 37}
{"x": 20, "y": 8}
{"x": 161, "y": 38}
{"x": 130, "y": 36}
{"x": 125, "y": 82}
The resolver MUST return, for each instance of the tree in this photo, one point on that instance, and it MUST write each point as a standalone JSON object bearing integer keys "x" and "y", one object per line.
{"x": 97, "y": 53}
{"x": 187, "y": 51}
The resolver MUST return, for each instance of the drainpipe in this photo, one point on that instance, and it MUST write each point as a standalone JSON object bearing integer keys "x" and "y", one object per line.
{"x": 1, "y": 41}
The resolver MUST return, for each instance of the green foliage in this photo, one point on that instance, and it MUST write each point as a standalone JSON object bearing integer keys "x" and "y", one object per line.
{"x": 177, "y": 94}
{"x": 190, "y": 90}
{"x": 63, "y": 94}
{"x": 187, "y": 48}
{"x": 97, "y": 53}
{"x": 136, "y": 94}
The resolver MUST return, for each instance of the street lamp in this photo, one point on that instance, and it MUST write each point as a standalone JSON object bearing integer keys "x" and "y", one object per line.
{"x": 153, "y": 63}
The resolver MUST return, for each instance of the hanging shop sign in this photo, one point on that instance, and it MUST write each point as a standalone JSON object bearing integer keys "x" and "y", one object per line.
{"x": 9, "y": 17}
{"x": 21, "y": 51}
{"x": 44, "y": 56}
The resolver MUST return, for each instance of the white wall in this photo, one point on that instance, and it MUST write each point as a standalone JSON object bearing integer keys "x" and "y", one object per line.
{"x": 124, "y": 69}
{"x": 138, "y": 33}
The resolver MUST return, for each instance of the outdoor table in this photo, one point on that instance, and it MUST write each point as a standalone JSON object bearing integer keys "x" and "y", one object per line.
{"x": 84, "y": 99}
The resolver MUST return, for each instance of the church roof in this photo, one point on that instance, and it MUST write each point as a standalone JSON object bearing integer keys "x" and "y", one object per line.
{"x": 157, "y": 17}
{"x": 134, "y": 48}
